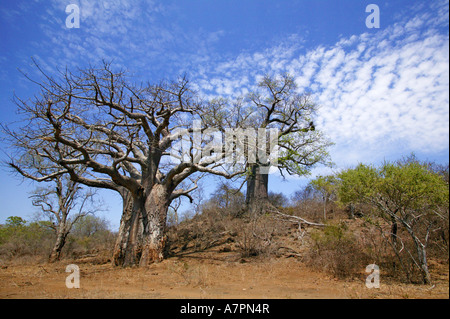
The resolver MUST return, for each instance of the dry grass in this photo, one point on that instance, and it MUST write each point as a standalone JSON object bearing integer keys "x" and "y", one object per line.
{"x": 201, "y": 275}
{"x": 209, "y": 257}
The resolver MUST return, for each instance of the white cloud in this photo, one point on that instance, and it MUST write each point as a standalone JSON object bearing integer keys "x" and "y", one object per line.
{"x": 380, "y": 94}
{"x": 382, "y": 91}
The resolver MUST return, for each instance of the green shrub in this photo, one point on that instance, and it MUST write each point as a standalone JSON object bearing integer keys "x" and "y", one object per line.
{"x": 19, "y": 238}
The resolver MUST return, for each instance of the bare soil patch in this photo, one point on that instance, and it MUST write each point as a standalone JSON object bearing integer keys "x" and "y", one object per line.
{"x": 213, "y": 273}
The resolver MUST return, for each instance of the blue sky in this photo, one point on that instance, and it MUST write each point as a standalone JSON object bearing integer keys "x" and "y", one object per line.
{"x": 383, "y": 92}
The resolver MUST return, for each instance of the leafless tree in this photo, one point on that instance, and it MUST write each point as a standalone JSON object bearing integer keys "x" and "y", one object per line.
{"x": 57, "y": 201}
{"x": 121, "y": 135}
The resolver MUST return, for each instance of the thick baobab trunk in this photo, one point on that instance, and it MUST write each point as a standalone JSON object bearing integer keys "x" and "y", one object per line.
{"x": 61, "y": 236}
{"x": 257, "y": 190}
{"x": 141, "y": 239}
{"x": 154, "y": 222}
{"x": 129, "y": 239}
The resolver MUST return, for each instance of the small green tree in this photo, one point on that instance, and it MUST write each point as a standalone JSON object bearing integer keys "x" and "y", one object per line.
{"x": 15, "y": 221}
{"x": 406, "y": 193}
{"x": 19, "y": 237}
{"x": 13, "y": 225}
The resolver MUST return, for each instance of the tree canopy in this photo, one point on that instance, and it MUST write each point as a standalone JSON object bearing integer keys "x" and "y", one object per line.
{"x": 406, "y": 193}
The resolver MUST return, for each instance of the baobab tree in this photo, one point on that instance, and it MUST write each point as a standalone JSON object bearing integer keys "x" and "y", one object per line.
{"x": 277, "y": 105}
{"x": 120, "y": 135}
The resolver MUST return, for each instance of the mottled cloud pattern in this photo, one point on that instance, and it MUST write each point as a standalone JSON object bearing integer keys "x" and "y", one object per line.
{"x": 381, "y": 94}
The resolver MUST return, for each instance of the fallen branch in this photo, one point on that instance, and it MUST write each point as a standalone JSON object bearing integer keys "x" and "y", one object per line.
{"x": 298, "y": 219}
{"x": 88, "y": 256}
{"x": 292, "y": 252}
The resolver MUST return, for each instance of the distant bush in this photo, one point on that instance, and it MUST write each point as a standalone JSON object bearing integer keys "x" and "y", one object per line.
{"x": 19, "y": 238}
{"x": 336, "y": 250}
{"x": 90, "y": 235}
